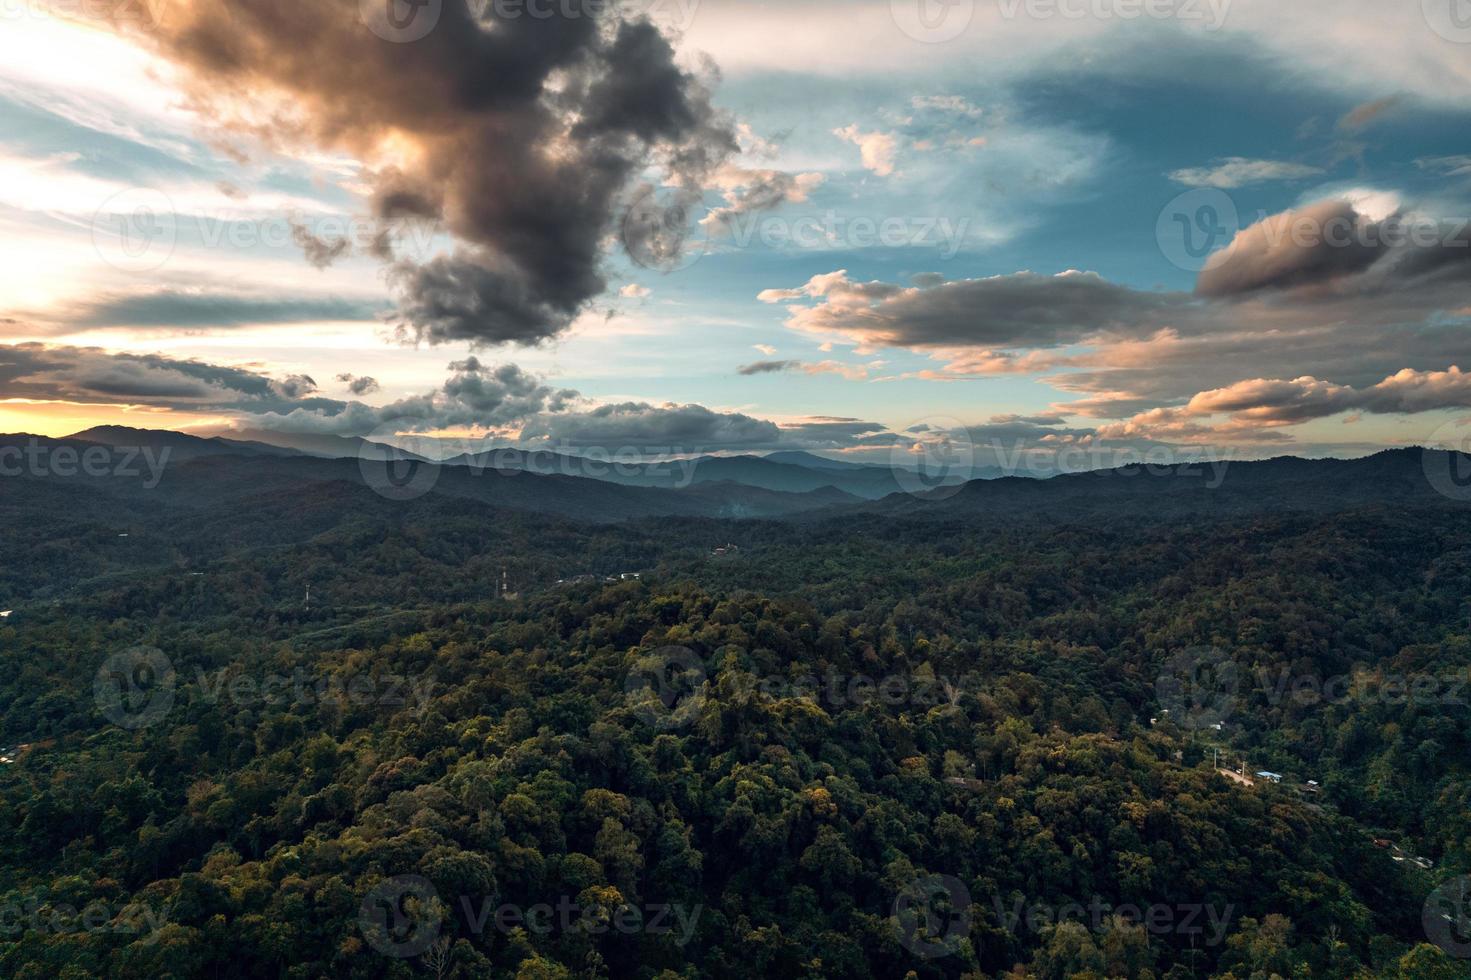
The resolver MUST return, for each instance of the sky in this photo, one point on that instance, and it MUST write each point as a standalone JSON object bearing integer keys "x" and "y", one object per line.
{"x": 1079, "y": 227}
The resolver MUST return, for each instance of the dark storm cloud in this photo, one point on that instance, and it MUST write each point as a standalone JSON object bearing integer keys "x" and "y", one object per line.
{"x": 525, "y": 132}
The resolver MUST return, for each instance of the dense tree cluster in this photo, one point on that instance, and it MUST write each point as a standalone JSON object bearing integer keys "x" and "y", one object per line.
{"x": 873, "y": 747}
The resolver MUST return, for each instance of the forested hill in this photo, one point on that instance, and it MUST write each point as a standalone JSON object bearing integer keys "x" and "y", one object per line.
{"x": 1410, "y": 476}
{"x": 248, "y": 706}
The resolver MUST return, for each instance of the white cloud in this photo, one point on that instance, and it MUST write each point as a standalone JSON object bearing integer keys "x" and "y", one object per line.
{"x": 877, "y": 150}
{"x": 947, "y": 103}
{"x": 1239, "y": 171}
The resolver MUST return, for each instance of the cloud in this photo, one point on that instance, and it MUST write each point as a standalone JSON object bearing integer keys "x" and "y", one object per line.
{"x": 1301, "y": 399}
{"x": 359, "y": 386}
{"x": 955, "y": 104}
{"x": 853, "y": 372}
{"x": 1361, "y": 116}
{"x": 1238, "y": 172}
{"x": 767, "y": 367}
{"x": 503, "y": 399}
{"x": 1320, "y": 242}
{"x": 179, "y": 307}
{"x": 643, "y": 426}
{"x": 516, "y": 135}
{"x": 89, "y": 375}
{"x": 877, "y": 150}
{"x": 320, "y": 252}
{"x": 1341, "y": 244}
{"x": 826, "y": 432}
{"x": 1022, "y": 309}
{"x": 1257, "y": 407}
{"x": 754, "y": 191}
{"x": 634, "y": 291}
{"x": 766, "y": 349}
{"x": 1452, "y": 166}
{"x": 1348, "y": 292}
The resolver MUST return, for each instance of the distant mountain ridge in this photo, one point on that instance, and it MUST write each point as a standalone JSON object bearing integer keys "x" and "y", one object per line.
{"x": 797, "y": 484}
{"x": 181, "y": 445}
{"x": 1410, "y": 476}
{"x": 786, "y": 471}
